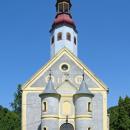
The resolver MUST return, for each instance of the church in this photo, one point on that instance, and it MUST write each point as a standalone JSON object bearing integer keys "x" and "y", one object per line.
{"x": 64, "y": 94}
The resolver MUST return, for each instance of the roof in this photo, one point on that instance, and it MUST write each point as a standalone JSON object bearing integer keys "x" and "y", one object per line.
{"x": 84, "y": 89}
{"x": 50, "y": 88}
{"x": 63, "y": 18}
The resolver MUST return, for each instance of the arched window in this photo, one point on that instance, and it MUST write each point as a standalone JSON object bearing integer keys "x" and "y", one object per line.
{"x": 75, "y": 41}
{"x": 44, "y": 107}
{"x": 60, "y": 7}
{"x": 52, "y": 40}
{"x": 66, "y": 7}
{"x": 59, "y": 36}
{"x": 89, "y": 107}
{"x": 68, "y": 36}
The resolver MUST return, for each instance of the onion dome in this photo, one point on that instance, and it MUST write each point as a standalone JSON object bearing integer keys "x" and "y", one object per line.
{"x": 63, "y": 19}
{"x": 50, "y": 90}
{"x": 83, "y": 90}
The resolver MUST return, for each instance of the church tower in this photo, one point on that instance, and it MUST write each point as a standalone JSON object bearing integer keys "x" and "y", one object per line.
{"x": 49, "y": 98}
{"x": 64, "y": 94}
{"x": 63, "y": 31}
{"x": 82, "y": 97}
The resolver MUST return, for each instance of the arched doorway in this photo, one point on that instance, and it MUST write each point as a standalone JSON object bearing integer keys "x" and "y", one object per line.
{"x": 66, "y": 126}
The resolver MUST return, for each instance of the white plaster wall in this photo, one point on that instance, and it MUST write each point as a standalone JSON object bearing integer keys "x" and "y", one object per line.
{"x": 81, "y": 105}
{"x": 52, "y": 106}
{"x": 50, "y": 124}
{"x": 84, "y": 124}
{"x": 50, "y": 117}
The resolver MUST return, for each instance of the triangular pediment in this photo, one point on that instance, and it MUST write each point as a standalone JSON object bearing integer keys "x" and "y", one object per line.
{"x": 39, "y": 80}
{"x": 66, "y": 88}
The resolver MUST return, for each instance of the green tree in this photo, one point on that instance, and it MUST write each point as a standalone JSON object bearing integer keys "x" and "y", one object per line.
{"x": 123, "y": 116}
{"x": 113, "y": 111}
{"x": 17, "y": 104}
{"x": 11, "y": 120}
{"x": 120, "y": 115}
{"x": 127, "y": 104}
{"x": 8, "y": 120}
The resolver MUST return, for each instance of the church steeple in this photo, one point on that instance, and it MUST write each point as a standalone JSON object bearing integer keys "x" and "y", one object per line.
{"x": 63, "y": 30}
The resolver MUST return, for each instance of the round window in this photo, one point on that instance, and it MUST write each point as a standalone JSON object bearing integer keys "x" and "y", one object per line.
{"x": 64, "y": 67}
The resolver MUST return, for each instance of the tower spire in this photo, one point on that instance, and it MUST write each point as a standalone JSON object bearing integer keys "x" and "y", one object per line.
{"x": 63, "y": 30}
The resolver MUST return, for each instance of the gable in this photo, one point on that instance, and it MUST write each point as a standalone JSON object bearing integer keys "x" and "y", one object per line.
{"x": 66, "y": 88}
{"x": 74, "y": 73}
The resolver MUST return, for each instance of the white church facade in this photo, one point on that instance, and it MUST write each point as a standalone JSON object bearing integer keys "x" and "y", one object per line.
{"x": 64, "y": 94}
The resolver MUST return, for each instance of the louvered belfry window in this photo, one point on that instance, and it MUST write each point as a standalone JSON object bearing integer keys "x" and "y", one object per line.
{"x": 63, "y": 7}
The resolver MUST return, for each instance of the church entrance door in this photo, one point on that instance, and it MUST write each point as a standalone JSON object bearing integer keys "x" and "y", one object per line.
{"x": 66, "y": 126}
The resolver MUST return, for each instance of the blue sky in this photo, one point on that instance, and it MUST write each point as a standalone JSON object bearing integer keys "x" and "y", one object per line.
{"x": 104, "y": 42}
